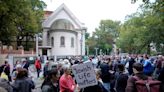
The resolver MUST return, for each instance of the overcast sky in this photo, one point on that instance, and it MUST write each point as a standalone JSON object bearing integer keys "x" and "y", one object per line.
{"x": 90, "y": 12}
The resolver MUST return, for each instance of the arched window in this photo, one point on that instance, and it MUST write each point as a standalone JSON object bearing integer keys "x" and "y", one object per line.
{"x": 72, "y": 42}
{"x": 62, "y": 41}
{"x": 52, "y": 41}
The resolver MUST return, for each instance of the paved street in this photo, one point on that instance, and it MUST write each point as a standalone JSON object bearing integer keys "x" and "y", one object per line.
{"x": 37, "y": 81}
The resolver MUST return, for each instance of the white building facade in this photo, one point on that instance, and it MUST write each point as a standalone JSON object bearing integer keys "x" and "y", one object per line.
{"x": 63, "y": 34}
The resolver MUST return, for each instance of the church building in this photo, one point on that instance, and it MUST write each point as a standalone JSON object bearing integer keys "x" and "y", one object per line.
{"x": 63, "y": 34}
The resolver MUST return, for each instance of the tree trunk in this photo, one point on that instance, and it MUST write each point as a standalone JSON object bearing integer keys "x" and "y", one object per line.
{"x": 148, "y": 49}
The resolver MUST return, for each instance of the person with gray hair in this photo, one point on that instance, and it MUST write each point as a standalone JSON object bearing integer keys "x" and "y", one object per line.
{"x": 66, "y": 81}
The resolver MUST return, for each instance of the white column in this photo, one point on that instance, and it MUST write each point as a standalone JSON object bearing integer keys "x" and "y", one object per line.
{"x": 79, "y": 43}
{"x": 45, "y": 38}
{"x": 83, "y": 41}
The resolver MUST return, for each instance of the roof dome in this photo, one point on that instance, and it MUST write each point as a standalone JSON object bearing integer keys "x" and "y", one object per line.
{"x": 62, "y": 24}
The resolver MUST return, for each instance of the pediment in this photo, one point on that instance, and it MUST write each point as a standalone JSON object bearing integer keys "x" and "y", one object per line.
{"x": 62, "y": 12}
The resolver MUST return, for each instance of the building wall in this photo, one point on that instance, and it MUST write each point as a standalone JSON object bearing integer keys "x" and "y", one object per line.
{"x": 57, "y": 50}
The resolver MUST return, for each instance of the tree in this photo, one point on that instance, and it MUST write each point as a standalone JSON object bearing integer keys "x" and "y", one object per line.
{"x": 140, "y": 31}
{"x": 104, "y": 36}
{"x": 87, "y": 35}
{"x": 20, "y": 20}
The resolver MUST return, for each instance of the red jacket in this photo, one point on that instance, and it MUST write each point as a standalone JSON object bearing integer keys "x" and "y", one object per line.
{"x": 37, "y": 64}
{"x": 66, "y": 83}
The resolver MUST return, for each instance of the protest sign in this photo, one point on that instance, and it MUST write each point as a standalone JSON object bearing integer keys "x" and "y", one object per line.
{"x": 84, "y": 74}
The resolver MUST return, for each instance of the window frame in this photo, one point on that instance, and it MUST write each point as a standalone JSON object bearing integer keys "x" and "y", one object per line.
{"x": 62, "y": 41}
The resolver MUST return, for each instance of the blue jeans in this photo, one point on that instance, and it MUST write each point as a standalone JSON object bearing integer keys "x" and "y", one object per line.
{"x": 107, "y": 86}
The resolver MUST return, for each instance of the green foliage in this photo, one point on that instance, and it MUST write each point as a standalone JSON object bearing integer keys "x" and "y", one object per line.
{"x": 141, "y": 29}
{"x": 20, "y": 19}
{"x": 103, "y": 37}
{"x": 87, "y": 35}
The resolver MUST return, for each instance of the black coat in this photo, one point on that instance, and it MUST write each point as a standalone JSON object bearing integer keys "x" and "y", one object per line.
{"x": 105, "y": 72}
{"x": 130, "y": 69}
{"x": 121, "y": 82}
{"x": 161, "y": 78}
{"x": 23, "y": 85}
{"x": 47, "y": 86}
{"x": 96, "y": 88}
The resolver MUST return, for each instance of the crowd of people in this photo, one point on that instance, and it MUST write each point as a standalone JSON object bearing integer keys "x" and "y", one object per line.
{"x": 131, "y": 73}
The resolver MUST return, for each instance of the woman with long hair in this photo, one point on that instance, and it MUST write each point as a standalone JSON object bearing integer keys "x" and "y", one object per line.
{"x": 22, "y": 83}
{"x": 50, "y": 83}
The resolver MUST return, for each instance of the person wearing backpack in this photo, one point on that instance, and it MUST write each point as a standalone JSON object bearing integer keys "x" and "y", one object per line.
{"x": 161, "y": 78}
{"x": 140, "y": 82}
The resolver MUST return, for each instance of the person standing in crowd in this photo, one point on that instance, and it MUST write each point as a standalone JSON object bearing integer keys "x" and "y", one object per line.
{"x": 66, "y": 82}
{"x": 121, "y": 79}
{"x": 6, "y": 69}
{"x": 17, "y": 63}
{"x": 140, "y": 59}
{"x": 148, "y": 67}
{"x": 60, "y": 68}
{"x": 105, "y": 74}
{"x": 14, "y": 74}
{"x": 38, "y": 66}
{"x": 138, "y": 72}
{"x": 131, "y": 62}
{"x": 50, "y": 83}
{"x": 161, "y": 77}
{"x": 22, "y": 83}
{"x": 5, "y": 85}
{"x": 158, "y": 64}
{"x": 45, "y": 69}
{"x": 96, "y": 88}
{"x": 25, "y": 64}
{"x": 123, "y": 60}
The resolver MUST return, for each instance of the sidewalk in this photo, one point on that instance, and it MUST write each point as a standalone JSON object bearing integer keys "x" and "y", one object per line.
{"x": 38, "y": 81}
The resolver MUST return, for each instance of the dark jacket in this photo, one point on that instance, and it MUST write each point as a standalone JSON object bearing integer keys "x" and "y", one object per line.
{"x": 6, "y": 85}
{"x": 130, "y": 69}
{"x": 45, "y": 70}
{"x": 49, "y": 87}
{"x": 26, "y": 65}
{"x": 6, "y": 69}
{"x": 96, "y": 88}
{"x": 23, "y": 85}
{"x": 121, "y": 82}
{"x": 105, "y": 72}
{"x": 161, "y": 78}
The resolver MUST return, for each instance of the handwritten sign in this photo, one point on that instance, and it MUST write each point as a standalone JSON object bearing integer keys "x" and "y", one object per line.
{"x": 84, "y": 74}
